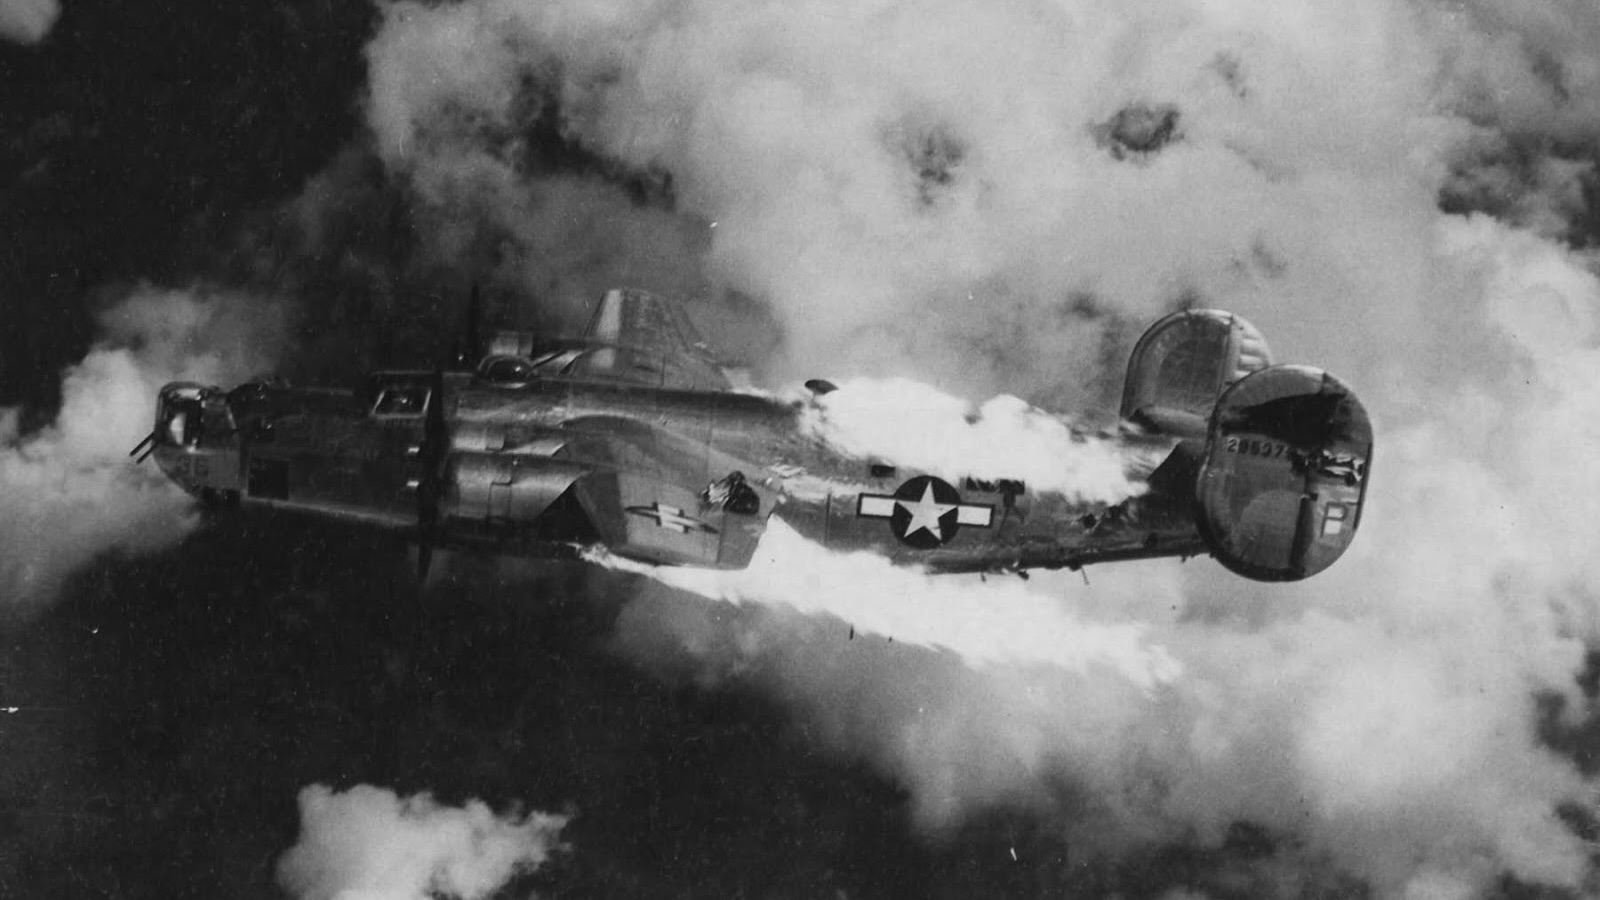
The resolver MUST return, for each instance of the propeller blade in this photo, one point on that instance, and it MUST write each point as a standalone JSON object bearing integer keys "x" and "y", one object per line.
{"x": 424, "y": 557}
{"x": 434, "y": 440}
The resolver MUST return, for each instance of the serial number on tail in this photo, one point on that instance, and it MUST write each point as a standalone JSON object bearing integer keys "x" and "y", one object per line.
{"x": 1253, "y": 447}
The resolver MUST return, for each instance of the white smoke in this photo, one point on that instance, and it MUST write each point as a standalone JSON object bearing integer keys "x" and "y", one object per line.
{"x": 446, "y": 90}
{"x": 27, "y": 21}
{"x": 985, "y": 697}
{"x": 925, "y": 190}
{"x": 914, "y": 425}
{"x": 985, "y": 626}
{"x": 368, "y": 843}
{"x": 69, "y": 492}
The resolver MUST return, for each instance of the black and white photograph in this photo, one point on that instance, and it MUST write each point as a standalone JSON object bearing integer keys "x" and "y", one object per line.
{"x": 788, "y": 449}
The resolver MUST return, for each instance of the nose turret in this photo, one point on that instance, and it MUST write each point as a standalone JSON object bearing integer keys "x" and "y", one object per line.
{"x": 194, "y": 440}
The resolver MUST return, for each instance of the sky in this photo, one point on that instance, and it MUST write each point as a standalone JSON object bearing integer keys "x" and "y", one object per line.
{"x": 981, "y": 204}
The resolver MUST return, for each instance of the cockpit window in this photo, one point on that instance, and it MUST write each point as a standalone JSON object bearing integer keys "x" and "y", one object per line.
{"x": 177, "y": 427}
{"x": 401, "y": 400}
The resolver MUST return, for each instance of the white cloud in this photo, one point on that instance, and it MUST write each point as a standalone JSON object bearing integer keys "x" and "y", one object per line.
{"x": 27, "y": 21}
{"x": 69, "y": 492}
{"x": 368, "y": 843}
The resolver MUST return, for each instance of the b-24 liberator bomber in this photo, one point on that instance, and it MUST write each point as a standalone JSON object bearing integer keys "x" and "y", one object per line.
{"x": 631, "y": 440}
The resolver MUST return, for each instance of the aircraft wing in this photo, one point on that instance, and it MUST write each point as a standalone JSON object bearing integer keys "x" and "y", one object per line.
{"x": 647, "y": 340}
{"x": 656, "y": 497}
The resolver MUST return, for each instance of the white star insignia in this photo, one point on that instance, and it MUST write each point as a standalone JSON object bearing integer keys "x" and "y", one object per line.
{"x": 926, "y": 513}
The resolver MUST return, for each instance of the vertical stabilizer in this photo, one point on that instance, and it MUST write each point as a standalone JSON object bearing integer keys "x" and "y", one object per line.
{"x": 1182, "y": 365}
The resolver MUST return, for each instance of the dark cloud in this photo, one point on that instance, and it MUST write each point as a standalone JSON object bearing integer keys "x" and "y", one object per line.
{"x": 127, "y": 144}
{"x": 1138, "y": 130}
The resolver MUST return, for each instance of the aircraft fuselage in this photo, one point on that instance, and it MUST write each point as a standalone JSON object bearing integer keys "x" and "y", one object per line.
{"x": 950, "y": 523}
{"x": 347, "y": 455}
{"x": 640, "y": 446}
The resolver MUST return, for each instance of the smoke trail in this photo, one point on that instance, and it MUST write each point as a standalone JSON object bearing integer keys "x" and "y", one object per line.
{"x": 916, "y": 426}
{"x": 985, "y": 196}
{"x": 27, "y": 21}
{"x": 984, "y": 626}
{"x": 68, "y": 491}
{"x": 367, "y": 843}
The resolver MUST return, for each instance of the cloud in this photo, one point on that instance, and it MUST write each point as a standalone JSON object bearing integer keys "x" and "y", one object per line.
{"x": 920, "y": 191}
{"x": 68, "y": 492}
{"x": 27, "y": 21}
{"x": 368, "y": 843}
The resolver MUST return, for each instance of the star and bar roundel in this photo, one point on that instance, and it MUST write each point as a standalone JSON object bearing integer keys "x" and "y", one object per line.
{"x": 925, "y": 512}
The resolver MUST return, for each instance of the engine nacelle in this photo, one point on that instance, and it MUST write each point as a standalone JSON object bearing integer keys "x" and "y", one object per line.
{"x": 1284, "y": 474}
{"x": 504, "y": 489}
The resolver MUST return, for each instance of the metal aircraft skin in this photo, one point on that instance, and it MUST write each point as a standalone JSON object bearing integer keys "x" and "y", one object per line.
{"x": 631, "y": 440}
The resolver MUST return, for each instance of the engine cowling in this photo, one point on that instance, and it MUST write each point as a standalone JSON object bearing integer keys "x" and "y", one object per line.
{"x": 506, "y": 489}
{"x": 1284, "y": 474}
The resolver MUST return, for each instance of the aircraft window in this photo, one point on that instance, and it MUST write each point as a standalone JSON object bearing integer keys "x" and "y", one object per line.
{"x": 176, "y": 427}
{"x": 184, "y": 419}
{"x": 406, "y": 400}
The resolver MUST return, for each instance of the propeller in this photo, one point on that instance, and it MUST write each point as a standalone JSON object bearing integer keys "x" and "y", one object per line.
{"x": 436, "y": 436}
{"x": 431, "y": 455}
